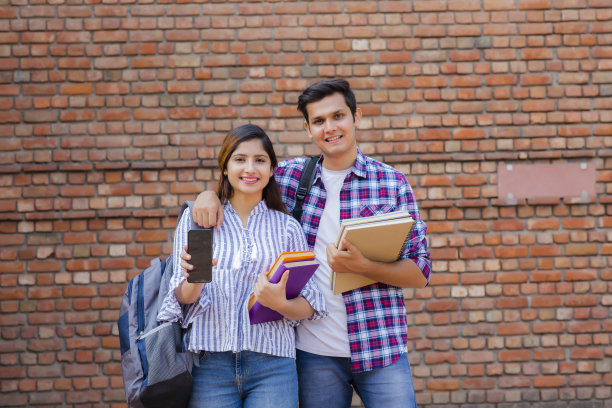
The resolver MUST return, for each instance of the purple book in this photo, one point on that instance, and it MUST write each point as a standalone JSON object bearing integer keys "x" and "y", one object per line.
{"x": 299, "y": 273}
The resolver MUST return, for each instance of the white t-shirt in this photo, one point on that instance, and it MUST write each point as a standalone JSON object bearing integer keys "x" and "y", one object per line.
{"x": 328, "y": 336}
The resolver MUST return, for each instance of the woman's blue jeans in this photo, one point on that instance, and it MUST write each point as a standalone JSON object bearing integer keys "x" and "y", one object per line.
{"x": 244, "y": 379}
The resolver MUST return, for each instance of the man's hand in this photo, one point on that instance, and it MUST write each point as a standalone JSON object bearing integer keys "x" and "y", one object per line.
{"x": 207, "y": 210}
{"x": 403, "y": 272}
{"x": 350, "y": 260}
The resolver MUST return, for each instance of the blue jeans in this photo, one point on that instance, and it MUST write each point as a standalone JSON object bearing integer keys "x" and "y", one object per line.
{"x": 244, "y": 379}
{"x": 329, "y": 382}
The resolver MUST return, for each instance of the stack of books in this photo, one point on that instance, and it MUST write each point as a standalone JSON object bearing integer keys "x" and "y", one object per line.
{"x": 301, "y": 266}
{"x": 379, "y": 238}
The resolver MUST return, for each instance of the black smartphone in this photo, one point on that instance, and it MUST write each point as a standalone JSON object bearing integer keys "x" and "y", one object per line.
{"x": 200, "y": 247}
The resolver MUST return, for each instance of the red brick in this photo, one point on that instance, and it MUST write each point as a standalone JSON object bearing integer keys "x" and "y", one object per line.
{"x": 43, "y": 266}
{"x": 549, "y": 354}
{"x": 219, "y": 113}
{"x": 73, "y": 37}
{"x": 151, "y": 236}
{"x": 77, "y": 191}
{"x": 37, "y": 37}
{"x": 508, "y": 225}
{"x": 118, "y": 36}
{"x": 147, "y": 62}
{"x": 581, "y": 300}
{"x": 111, "y": 63}
{"x": 580, "y": 275}
{"x": 82, "y": 265}
{"x": 549, "y": 382}
{"x": 443, "y": 253}
{"x": 79, "y": 238}
{"x": 80, "y": 291}
{"x": 543, "y": 224}
{"x": 117, "y": 263}
{"x": 513, "y": 329}
{"x": 184, "y": 86}
{"x": 514, "y": 355}
{"x": 468, "y": 357}
{"x": 150, "y": 114}
{"x": 185, "y": 113}
{"x": 256, "y": 112}
{"x": 585, "y": 380}
{"x": 439, "y": 306}
{"x": 442, "y": 385}
{"x": 470, "y": 180}
{"x": 441, "y": 357}
{"x": 477, "y": 304}
{"x": 581, "y": 249}
{"x": 548, "y": 327}
{"x": 546, "y": 276}
{"x": 76, "y": 89}
{"x": 586, "y": 354}
{"x": 433, "y": 180}
{"x": 476, "y": 253}
{"x": 534, "y": 4}
{"x": 468, "y": 107}
{"x": 514, "y": 382}
{"x": 182, "y": 35}
{"x": 430, "y": 82}
{"x": 76, "y": 116}
{"x": 545, "y": 250}
{"x": 113, "y": 115}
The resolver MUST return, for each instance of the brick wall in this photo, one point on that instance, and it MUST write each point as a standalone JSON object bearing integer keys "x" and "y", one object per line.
{"x": 111, "y": 113}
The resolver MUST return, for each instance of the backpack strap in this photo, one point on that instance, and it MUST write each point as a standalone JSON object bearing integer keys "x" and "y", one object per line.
{"x": 189, "y": 204}
{"x": 306, "y": 179}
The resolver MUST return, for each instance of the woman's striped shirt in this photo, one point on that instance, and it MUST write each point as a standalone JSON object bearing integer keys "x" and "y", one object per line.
{"x": 219, "y": 319}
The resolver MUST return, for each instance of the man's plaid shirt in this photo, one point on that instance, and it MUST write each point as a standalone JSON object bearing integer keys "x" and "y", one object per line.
{"x": 376, "y": 314}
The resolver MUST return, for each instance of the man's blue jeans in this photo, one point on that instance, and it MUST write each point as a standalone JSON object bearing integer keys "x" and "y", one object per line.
{"x": 244, "y": 379}
{"x": 328, "y": 382}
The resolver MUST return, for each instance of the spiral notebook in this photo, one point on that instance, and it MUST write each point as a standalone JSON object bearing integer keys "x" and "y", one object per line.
{"x": 379, "y": 238}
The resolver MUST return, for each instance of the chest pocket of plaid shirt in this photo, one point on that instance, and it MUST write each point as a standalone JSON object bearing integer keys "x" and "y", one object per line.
{"x": 377, "y": 209}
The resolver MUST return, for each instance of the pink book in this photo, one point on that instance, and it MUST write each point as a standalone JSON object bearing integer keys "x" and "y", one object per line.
{"x": 299, "y": 273}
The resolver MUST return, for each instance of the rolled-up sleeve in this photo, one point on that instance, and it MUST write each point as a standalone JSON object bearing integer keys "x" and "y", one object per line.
{"x": 415, "y": 247}
{"x": 310, "y": 292}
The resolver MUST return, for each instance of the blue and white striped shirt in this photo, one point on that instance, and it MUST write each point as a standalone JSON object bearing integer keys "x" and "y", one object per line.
{"x": 219, "y": 319}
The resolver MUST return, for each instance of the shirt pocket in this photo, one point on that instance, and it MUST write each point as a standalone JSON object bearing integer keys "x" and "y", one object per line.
{"x": 377, "y": 209}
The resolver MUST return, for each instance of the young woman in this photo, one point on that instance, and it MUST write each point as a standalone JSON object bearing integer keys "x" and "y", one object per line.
{"x": 242, "y": 364}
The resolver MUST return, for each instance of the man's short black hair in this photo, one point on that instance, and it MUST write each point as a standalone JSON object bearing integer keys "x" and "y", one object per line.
{"x": 322, "y": 89}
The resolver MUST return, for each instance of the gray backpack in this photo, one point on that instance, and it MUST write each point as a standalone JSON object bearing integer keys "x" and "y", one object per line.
{"x": 156, "y": 366}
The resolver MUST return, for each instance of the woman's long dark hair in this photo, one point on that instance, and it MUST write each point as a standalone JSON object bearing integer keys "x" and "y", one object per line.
{"x": 271, "y": 192}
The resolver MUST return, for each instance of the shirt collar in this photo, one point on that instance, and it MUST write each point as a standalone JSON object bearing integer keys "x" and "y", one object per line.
{"x": 359, "y": 167}
{"x": 259, "y": 208}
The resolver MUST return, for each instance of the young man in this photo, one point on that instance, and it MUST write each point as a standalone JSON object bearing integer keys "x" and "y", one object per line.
{"x": 362, "y": 342}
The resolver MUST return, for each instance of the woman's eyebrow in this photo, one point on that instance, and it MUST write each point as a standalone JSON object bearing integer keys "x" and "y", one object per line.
{"x": 246, "y": 154}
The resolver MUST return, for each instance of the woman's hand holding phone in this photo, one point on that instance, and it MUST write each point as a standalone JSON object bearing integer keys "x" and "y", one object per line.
{"x": 185, "y": 262}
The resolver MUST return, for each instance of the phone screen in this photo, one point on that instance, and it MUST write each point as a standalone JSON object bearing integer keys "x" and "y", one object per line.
{"x": 200, "y": 246}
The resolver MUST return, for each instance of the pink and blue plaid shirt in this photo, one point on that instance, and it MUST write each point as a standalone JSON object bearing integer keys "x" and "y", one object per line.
{"x": 376, "y": 314}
